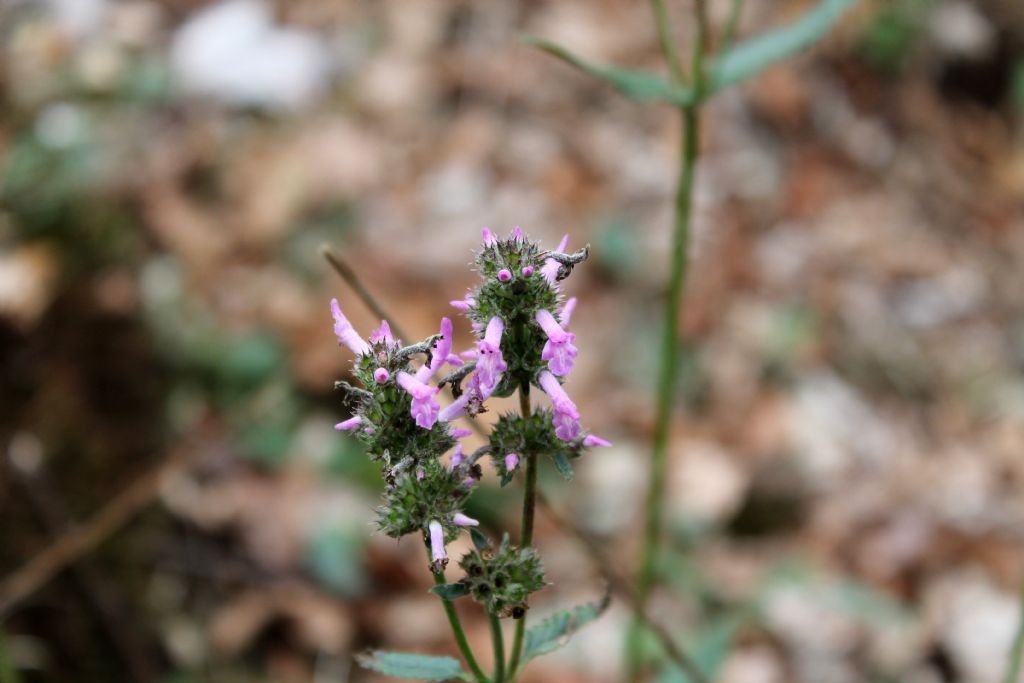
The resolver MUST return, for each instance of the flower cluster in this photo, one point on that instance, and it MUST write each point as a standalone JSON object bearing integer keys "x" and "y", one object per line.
{"x": 520, "y": 321}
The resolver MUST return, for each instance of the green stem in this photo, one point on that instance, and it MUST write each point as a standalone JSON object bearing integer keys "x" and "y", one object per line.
{"x": 653, "y": 511}
{"x": 460, "y": 635}
{"x": 1017, "y": 651}
{"x": 526, "y": 530}
{"x": 499, "y": 649}
{"x": 729, "y": 37}
{"x": 668, "y": 44}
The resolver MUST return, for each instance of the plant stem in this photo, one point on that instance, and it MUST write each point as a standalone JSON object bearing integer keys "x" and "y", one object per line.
{"x": 1017, "y": 651}
{"x": 653, "y": 510}
{"x": 729, "y": 37}
{"x": 668, "y": 45}
{"x": 460, "y": 635}
{"x": 499, "y": 649}
{"x": 526, "y": 530}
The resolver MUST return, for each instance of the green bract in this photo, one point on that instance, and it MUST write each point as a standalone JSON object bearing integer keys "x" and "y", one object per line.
{"x": 502, "y": 580}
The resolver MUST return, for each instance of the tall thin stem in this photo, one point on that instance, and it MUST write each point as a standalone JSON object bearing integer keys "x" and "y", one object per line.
{"x": 526, "y": 529}
{"x": 460, "y": 634}
{"x": 653, "y": 510}
{"x": 1017, "y": 651}
{"x": 498, "y": 639}
{"x": 668, "y": 43}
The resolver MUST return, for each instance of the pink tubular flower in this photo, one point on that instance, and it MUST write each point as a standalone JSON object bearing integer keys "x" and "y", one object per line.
{"x": 490, "y": 363}
{"x": 462, "y": 520}
{"x": 559, "y": 350}
{"x": 504, "y": 274}
{"x": 441, "y": 352}
{"x": 381, "y": 375}
{"x": 457, "y": 456}
{"x": 566, "y": 315}
{"x": 437, "y": 554}
{"x": 511, "y": 461}
{"x": 489, "y": 239}
{"x": 382, "y": 334}
{"x": 424, "y": 407}
{"x": 349, "y": 424}
{"x": 590, "y": 441}
{"x": 550, "y": 268}
{"x": 346, "y": 333}
{"x": 517, "y": 233}
{"x": 566, "y": 417}
{"x": 456, "y": 410}
{"x": 462, "y": 304}
{"x": 460, "y": 433}
{"x": 527, "y": 271}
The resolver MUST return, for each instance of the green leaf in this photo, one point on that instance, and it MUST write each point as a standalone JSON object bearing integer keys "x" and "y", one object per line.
{"x": 708, "y": 650}
{"x": 633, "y": 83}
{"x": 450, "y": 591}
{"x": 480, "y": 541}
{"x": 409, "y": 665}
{"x": 562, "y": 464}
{"x": 555, "y": 631}
{"x": 757, "y": 54}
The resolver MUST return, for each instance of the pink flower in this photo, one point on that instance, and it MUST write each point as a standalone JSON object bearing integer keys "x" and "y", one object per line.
{"x": 527, "y": 271}
{"x": 462, "y": 520}
{"x": 517, "y": 233}
{"x": 489, "y": 363}
{"x": 566, "y": 313}
{"x": 424, "y": 407}
{"x": 462, "y": 304}
{"x": 346, "y": 333}
{"x": 550, "y": 268}
{"x": 349, "y": 424}
{"x": 504, "y": 274}
{"x": 437, "y": 554}
{"x": 456, "y": 410}
{"x": 489, "y": 239}
{"x": 511, "y": 461}
{"x": 460, "y": 433}
{"x": 381, "y": 375}
{"x": 590, "y": 441}
{"x": 559, "y": 350}
{"x": 457, "y": 456}
{"x": 566, "y": 417}
{"x": 441, "y": 353}
{"x": 382, "y": 334}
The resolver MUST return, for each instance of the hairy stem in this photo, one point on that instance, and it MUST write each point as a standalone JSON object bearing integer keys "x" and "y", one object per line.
{"x": 653, "y": 510}
{"x": 459, "y": 633}
{"x": 498, "y": 639}
{"x": 526, "y": 530}
{"x": 1017, "y": 651}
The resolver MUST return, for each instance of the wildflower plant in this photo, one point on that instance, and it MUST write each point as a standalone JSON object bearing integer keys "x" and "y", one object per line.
{"x": 520, "y": 318}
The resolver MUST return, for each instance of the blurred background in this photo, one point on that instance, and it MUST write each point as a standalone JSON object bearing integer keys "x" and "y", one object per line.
{"x": 846, "y": 490}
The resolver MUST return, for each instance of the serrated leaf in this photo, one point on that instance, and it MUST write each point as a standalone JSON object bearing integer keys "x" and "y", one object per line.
{"x": 450, "y": 591}
{"x": 757, "y": 54}
{"x": 414, "y": 666}
{"x": 555, "y": 631}
{"x": 633, "y": 83}
{"x": 562, "y": 464}
{"x": 480, "y": 541}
